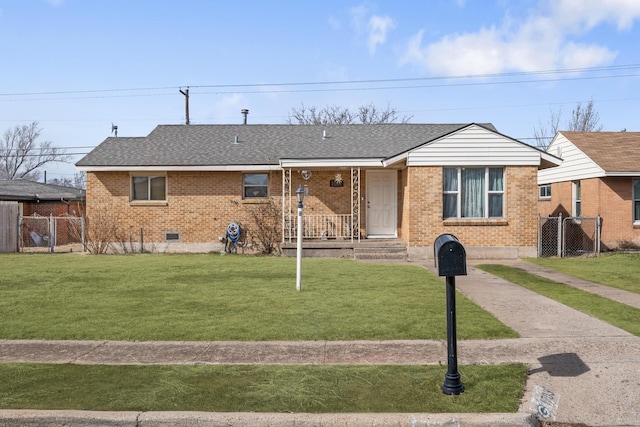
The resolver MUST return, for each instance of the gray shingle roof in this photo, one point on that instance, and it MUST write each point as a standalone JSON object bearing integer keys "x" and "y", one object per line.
{"x": 22, "y": 189}
{"x": 207, "y": 145}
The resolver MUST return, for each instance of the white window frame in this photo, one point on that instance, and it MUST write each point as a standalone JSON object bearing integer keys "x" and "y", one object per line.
{"x": 148, "y": 177}
{"x": 487, "y": 192}
{"x": 546, "y": 189}
{"x": 244, "y": 186}
{"x": 576, "y": 199}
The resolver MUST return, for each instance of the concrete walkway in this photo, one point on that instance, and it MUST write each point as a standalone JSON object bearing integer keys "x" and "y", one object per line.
{"x": 591, "y": 366}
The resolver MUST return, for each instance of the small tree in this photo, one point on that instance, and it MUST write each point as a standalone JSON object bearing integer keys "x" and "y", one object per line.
{"x": 21, "y": 155}
{"x": 335, "y": 115}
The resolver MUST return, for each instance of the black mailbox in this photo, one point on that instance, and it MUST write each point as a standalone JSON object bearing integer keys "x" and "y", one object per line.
{"x": 450, "y": 256}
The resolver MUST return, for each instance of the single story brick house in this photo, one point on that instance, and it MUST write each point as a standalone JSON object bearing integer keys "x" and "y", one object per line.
{"x": 599, "y": 175}
{"x": 182, "y": 184}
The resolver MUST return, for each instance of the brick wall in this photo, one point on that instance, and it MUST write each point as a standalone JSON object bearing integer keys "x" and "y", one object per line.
{"x": 199, "y": 205}
{"x": 423, "y": 222}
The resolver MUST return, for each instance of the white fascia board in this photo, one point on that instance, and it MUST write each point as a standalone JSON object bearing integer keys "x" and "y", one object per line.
{"x": 395, "y": 159}
{"x": 549, "y": 159}
{"x": 212, "y": 168}
{"x": 623, "y": 174}
{"x": 330, "y": 163}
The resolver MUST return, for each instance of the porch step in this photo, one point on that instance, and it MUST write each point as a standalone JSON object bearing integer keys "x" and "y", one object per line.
{"x": 381, "y": 253}
{"x": 369, "y": 249}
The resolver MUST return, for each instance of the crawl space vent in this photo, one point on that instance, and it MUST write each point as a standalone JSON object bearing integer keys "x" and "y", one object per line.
{"x": 172, "y": 235}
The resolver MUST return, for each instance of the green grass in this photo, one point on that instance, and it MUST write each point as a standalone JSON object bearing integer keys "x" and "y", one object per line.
{"x": 314, "y": 389}
{"x": 620, "y": 271}
{"x": 613, "y": 312}
{"x": 226, "y": 297}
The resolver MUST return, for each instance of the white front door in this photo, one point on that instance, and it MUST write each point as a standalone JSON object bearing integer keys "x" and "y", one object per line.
{"x": 381, "y": 203}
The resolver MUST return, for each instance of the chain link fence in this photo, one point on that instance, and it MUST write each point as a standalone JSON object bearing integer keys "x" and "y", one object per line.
{"x": 51, "y": 234}
{"x": 568, "y": 237}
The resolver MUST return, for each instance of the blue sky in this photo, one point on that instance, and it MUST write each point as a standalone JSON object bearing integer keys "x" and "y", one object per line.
{"x": 76, "y": 66}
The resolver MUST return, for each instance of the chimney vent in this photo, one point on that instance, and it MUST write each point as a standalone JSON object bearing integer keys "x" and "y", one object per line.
{"x": 245, "y": 113}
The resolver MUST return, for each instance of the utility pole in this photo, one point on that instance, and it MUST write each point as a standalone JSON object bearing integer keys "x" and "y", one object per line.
{"x": 186, "y": 104}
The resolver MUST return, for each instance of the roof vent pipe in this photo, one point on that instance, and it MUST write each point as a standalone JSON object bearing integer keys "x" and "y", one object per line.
{"x": 324, "y": 134}
{"x": 236, "y": 140}
{"x": 245, "y": 113}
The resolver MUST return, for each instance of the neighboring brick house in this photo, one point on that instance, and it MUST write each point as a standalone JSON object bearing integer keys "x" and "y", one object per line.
{"x": 36, "y": 198}
{"x": 182, "y": 184}
{"x": 37, "y": 202}
{"x": 599, "y": 175}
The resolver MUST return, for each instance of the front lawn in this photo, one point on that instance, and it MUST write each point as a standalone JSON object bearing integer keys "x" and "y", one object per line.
{"x": 226, "y": 297}
{"x": 620, "y": 271}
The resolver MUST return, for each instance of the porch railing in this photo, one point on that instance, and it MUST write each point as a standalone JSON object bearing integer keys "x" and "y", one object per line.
{"x": 325, "y": 227}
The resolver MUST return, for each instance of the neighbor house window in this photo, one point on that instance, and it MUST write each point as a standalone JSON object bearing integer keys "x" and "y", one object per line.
{"x": 473, "y": 192}
{"x": 545, "y": 191}
{"x": 148, "y": 188}
{"x": 636, "y": 200}
{"x": 577, "y": 199}
{"x": 255, "y": 185}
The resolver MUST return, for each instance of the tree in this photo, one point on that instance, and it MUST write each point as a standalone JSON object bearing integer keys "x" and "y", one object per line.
{"x": 583, "y": 119}
{"x": 21, "y": 154}
{"x": 334, "y": 115}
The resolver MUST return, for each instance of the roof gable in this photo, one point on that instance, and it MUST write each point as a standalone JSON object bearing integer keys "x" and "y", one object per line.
{"x": 613, "y": 152}
{"x": 475, "y": 145}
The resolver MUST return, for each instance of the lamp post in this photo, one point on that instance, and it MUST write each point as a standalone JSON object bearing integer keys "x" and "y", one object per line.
{"x": 300, "y": 194}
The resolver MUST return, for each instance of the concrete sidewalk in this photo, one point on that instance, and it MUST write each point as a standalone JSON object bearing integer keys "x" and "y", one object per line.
{"x": 593, "y": 367}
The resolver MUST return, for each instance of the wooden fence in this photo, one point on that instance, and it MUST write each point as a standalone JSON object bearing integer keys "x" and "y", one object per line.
{"x": 9, "y": 226}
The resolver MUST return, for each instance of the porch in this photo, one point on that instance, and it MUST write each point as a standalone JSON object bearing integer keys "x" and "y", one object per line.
{"x": 364, "y": 249}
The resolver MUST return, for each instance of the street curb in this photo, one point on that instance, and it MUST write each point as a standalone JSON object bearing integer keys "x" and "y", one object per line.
{"x": 61, "y": 418}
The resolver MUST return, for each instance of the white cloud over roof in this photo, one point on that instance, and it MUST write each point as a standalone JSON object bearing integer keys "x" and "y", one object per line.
{"x": 547, "y": 38}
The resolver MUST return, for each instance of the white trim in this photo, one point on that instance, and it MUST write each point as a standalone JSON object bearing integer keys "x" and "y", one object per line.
{"x": 217, "y": 168}
{"x": 330, "y": 163}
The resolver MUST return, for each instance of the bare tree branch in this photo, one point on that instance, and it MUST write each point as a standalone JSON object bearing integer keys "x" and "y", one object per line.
{"x": 21, "y": 155}
{"x": 583, "y": 119}
{"x": 335, "y": 115}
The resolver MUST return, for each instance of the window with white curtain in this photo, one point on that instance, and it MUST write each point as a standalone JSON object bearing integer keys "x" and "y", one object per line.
{"x": 473, "y": 192}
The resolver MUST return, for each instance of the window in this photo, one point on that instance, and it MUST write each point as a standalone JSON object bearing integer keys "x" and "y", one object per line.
{"x": 148, "y": 188}
{"x": 473, "y": 192}
{"x": 255, "y": 185}
{"x": 545, "y": 191}
{"x": 636, "y": 200}
{"x": 577, "y": 199}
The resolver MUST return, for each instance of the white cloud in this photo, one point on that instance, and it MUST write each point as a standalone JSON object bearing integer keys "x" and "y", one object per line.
{"x": 378, "y": 27}
{"x": 546, "y": 39}
{"x": 374, "y": 27}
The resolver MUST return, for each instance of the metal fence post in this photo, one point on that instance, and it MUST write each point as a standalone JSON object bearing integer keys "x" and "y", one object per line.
{"x": 560, "y": 235}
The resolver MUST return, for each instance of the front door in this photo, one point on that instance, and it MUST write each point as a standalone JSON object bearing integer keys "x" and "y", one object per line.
{"x": 381, "y": 203}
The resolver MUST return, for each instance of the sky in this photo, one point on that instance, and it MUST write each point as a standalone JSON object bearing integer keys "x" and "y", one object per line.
{"x": 79, "y": 66}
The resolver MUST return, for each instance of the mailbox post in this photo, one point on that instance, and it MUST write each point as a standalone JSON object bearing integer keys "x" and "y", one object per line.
{"x": 451, "y": 260}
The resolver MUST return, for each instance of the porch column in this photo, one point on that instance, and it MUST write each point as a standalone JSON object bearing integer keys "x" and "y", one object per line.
{"x": 287, "y": 219}
{"x": 355, "y": 203}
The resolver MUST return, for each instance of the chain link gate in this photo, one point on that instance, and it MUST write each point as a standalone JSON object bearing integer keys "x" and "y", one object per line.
{"x": 567, "y": 237}
{"x": 51, "y": 234}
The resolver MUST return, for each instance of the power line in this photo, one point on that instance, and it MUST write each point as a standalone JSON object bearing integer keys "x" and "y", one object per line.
{"x": 338, "y": 82}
